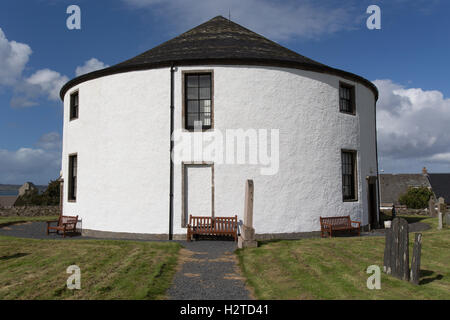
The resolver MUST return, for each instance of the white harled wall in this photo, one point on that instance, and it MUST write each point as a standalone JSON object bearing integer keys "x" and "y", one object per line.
{"x": 122, "y": 141}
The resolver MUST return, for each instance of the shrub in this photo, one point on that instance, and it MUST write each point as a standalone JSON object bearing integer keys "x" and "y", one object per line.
{"x": 416, "y": 198}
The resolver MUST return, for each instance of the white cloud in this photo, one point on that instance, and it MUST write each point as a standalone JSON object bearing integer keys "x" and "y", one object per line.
{"x": 38, "y": 164}
{"x": 46, "y": 83}
{"x": 275, "y": 19}
{"x": 49, "y": 81}
{"x": 89, "y": 66}
{"x": 412, "y": 124}
{"x": 49, "y": 141}
{"x": 13, "y": 56}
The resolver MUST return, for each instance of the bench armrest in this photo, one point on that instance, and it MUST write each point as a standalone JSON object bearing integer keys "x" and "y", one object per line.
{"x": 326, "y": 225}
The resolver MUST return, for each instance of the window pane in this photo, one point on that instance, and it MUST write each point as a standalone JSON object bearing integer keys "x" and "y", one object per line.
{"x": 192, "y": 93}
{"x": 206, "y": 119}
{"x": 205, "y": 93}
{"x": 192, "y": 81}
{"x": 192, "y": 106}
{"x": 205, "y": 81}
{"x": 74, "y": 166}
{"x": 205, "y": 105}
{"x": 191, "y": 117}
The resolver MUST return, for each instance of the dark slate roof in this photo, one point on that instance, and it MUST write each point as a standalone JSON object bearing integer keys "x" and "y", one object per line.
{"x": 440, "y": 183}
{"x": 218, "y": 41}
{"x": 392, "y": 186}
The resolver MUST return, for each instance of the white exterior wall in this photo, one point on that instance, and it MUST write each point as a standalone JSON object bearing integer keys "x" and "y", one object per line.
{"x": 122, "y": 141}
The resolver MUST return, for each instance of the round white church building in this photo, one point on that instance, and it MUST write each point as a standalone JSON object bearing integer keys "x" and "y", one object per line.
{"x": 237, "y": 106}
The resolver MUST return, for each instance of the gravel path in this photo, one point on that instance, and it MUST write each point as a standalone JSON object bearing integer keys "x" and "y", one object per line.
{"x": 208, "y": 271}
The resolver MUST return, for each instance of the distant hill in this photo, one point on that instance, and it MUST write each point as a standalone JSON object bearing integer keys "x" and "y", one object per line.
{"x": 13, "y": 189}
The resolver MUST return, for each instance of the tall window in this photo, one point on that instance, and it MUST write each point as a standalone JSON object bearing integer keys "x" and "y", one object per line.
{"x": 347, "y": 98}
{"x": 198, "y": 100}
{"x": 349, "y": 184}
{"x": 74, "y": 106}
{"x": 72, "y": 177}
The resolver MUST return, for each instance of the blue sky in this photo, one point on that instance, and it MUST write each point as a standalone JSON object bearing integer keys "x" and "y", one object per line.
{"x": 407, "y": 59}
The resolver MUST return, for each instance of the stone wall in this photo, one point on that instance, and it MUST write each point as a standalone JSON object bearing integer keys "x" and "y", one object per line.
{"x": 32, "y": 211}
{"x": 406, "y": 211}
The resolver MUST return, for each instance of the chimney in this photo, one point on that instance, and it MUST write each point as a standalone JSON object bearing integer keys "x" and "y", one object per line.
{"x": 424, "y": 171}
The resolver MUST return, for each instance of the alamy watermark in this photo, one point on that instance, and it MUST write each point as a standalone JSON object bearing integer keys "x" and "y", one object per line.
{"x": 374, "y": 20}
{"x": 256, "y": 147}
{"x": 74, "y": 20}
{"x": 74, "y": 280}
{"x": 374, "y": 281}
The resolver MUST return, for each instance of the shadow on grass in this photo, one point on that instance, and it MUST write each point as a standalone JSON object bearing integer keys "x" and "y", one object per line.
{"x": 412, "y": 219}
{"x": 429, "y": 279}
{"x": 13, "y": 256}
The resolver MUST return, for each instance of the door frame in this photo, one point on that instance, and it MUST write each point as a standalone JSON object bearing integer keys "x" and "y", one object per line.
{"x": 184, "y": 166}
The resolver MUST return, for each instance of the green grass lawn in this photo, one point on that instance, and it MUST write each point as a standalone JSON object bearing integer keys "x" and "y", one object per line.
{"x": 36, "y": 269}
{"x": 336, "y": 268}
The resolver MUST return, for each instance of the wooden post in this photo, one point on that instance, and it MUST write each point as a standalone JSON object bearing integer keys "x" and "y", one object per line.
{"x": 415, "y": 262}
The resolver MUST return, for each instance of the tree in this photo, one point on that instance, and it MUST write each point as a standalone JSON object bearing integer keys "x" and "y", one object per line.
{"x": 416, "y": 197}
{"x": 50, "y": 197}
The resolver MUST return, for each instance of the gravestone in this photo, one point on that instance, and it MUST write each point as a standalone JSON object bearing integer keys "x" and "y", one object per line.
{"x": 442, "y": 207}
{"x": 387, "y": 252}
{"x": 396, "y": 254}
{"x": 415, "y": 262}
{"x": 247, "y": 237}
{"x": 432, "y": 207}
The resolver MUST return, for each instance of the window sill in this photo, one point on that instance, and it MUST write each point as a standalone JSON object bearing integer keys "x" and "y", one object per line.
{"x": 349, "y": 113}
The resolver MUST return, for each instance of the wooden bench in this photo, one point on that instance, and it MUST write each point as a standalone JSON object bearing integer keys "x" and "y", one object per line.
{"x": 65, "y": 224}
{"x": 330, "y": 224}
{"x": 212, "y": 226}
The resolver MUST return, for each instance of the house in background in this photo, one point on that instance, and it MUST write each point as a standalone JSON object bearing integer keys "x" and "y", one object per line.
{"x": 392, "y": 186}
{"x": 440, "y": 184}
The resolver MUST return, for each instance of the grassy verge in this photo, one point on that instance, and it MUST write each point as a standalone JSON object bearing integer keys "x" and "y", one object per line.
{"x": 336, "y": 268}
{"x": 36, "y": 269}
{"x": 4, "y": 221}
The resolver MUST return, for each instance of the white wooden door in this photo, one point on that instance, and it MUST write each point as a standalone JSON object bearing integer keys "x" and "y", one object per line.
{"x": 198, "y": 197}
